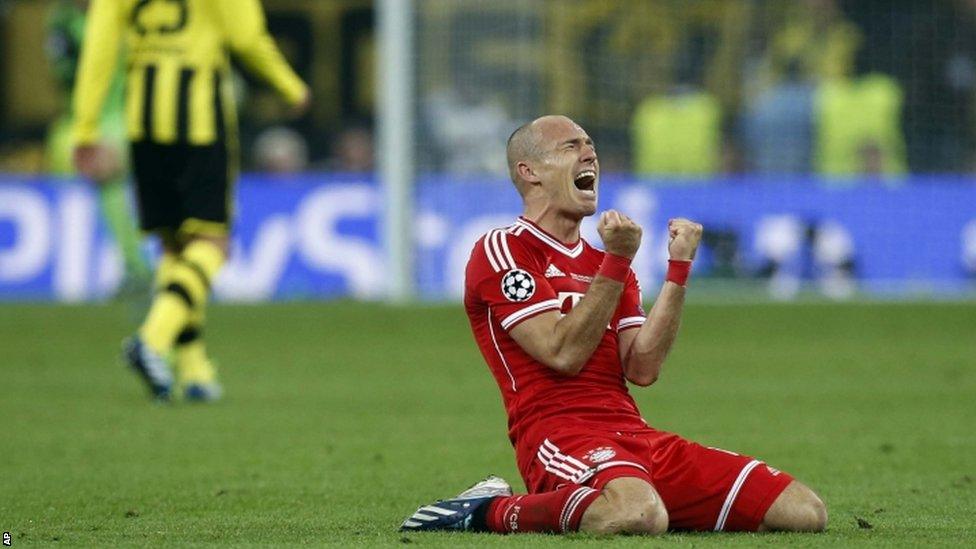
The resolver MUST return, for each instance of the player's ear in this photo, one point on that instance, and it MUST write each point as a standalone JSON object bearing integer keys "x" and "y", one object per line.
{"x": 526, "y": 172}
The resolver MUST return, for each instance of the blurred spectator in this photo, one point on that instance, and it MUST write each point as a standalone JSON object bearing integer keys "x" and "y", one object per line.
{"x": 821, "y": 105}
{"x": 488, "y": 64}
{"x": 814, "y": 42}
{"x": 469, "y": 130}
{"x": 352, "y": 151}
{"x": 859, "y": 126}
{"x": 811, "y": 42}
{"x": 930, "y": 48}
{"x": 680, "y": 133}
{"x": 280, "y": 150}
{"x": 677, "y": 134}
{"x": 778, "y": 126}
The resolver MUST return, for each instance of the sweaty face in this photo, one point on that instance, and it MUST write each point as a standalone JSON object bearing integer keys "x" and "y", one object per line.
{"x": 570, "y": 171}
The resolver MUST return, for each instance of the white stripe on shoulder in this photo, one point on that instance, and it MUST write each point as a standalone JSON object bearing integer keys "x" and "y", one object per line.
{"x": 489, "y": 254}
{"x": 539, "y": 307}
{"x": 508, "y": 253}
{"x": 496, "y": 246}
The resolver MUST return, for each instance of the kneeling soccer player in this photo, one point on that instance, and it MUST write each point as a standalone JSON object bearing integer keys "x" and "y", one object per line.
{"x": 561, "y": 326}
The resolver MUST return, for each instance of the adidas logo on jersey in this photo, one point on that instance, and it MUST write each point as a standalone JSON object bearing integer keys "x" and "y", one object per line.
{"x": 552, "y": 271}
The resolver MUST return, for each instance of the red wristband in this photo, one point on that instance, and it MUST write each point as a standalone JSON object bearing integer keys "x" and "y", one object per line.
{"x": 678, "y": 271}
{"x": 614, "y": 267}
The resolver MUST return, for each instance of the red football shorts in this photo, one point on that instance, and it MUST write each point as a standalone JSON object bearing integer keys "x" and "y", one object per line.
{"x": 702, "y": 488}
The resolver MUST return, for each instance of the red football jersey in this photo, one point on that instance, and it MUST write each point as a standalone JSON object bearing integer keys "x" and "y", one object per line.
{"x": 521, "y": 271}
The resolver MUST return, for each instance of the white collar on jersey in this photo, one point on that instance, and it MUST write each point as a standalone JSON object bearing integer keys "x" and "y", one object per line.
{"x": 573, "y": 252}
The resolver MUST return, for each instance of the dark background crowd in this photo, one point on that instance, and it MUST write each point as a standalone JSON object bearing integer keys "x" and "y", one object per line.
{"x": 666, "y": 87}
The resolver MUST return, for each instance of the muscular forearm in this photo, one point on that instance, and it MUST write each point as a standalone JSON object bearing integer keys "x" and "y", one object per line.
{"x": 576, "y": 335}
{"x": 565, "y": 344}
{"x": 642, "y": 363}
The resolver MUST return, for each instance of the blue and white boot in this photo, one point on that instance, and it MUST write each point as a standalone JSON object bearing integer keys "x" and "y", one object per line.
{"x": 151, "y": 367}
{"x": 456, "y": 513}
{"x": 203, "y": 392}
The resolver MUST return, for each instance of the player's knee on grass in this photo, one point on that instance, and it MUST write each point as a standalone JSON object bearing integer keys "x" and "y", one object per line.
{"x": 796, "y": 509}
{"x": 626, "y": 506}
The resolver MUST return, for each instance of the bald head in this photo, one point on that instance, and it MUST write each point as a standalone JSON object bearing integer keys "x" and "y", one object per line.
{"x": 526, "y": 143}
{"x": 523, "y": 145}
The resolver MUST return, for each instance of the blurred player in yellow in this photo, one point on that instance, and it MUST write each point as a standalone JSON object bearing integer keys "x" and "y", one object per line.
{"x": 181, "y": 123}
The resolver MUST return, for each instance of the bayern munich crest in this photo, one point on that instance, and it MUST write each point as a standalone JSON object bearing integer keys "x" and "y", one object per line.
{"x": 599, "y": 455}
{"x": 518, "y": 285}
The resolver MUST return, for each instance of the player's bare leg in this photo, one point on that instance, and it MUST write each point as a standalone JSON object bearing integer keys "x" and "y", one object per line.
{"x": 797, "y": 509}
{"x": 626, "y": 506}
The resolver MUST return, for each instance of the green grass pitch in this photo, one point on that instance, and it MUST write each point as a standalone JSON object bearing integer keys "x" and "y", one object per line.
{"x": 340, "y": 419}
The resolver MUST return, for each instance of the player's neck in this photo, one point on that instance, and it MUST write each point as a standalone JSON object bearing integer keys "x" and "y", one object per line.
{"x": 564, "y": 229}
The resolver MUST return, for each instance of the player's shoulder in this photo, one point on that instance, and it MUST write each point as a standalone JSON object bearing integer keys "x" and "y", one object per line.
{"x": 502, "y": 248}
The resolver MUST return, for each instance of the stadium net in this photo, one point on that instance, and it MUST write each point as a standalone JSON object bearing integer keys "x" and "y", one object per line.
{"x": 816, "y": 140}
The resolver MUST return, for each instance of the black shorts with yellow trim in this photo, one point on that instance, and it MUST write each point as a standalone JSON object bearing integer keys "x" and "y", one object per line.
{"x": 183, "y": 188}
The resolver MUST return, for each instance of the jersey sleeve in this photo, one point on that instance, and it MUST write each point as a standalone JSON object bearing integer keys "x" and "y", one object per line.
{"x": 96, "y": 69}
{"x": 508, "y": 277}
{"x": 630, "y": 312}
{"x": 249, "y": 41}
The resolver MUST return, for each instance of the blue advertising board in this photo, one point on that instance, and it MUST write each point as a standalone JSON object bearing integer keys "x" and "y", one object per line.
{"x": 318, "y": 236}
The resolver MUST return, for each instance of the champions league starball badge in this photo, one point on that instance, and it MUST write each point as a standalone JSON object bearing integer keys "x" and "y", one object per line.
{"x": 518, "y": 285}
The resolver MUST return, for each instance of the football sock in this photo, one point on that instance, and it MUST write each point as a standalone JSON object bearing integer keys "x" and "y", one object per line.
{"x": 556, "y": 511}
{"x": 118, "y": 216}
{"x": 184, "y": 288}
{"x": 192, "y": 364}
{"x": 163, "y": 270}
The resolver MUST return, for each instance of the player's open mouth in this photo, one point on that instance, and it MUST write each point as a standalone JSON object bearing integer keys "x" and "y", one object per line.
{"x": 585, "y": 180}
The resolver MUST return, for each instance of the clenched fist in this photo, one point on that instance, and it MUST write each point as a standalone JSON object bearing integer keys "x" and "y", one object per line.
{"x": 684, "y": 236}
{"x": 621, "y": 236}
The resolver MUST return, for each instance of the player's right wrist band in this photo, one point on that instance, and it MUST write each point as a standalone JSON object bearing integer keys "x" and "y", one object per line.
{"x": 615, "y": 267}
{"x": 678, "y": 271}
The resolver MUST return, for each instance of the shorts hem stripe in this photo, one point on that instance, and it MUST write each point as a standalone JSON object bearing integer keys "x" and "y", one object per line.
{"x": 609, "y": 464}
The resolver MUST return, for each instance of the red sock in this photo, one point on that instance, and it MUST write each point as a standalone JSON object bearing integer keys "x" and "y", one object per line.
{"x": 556, "y": 511}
